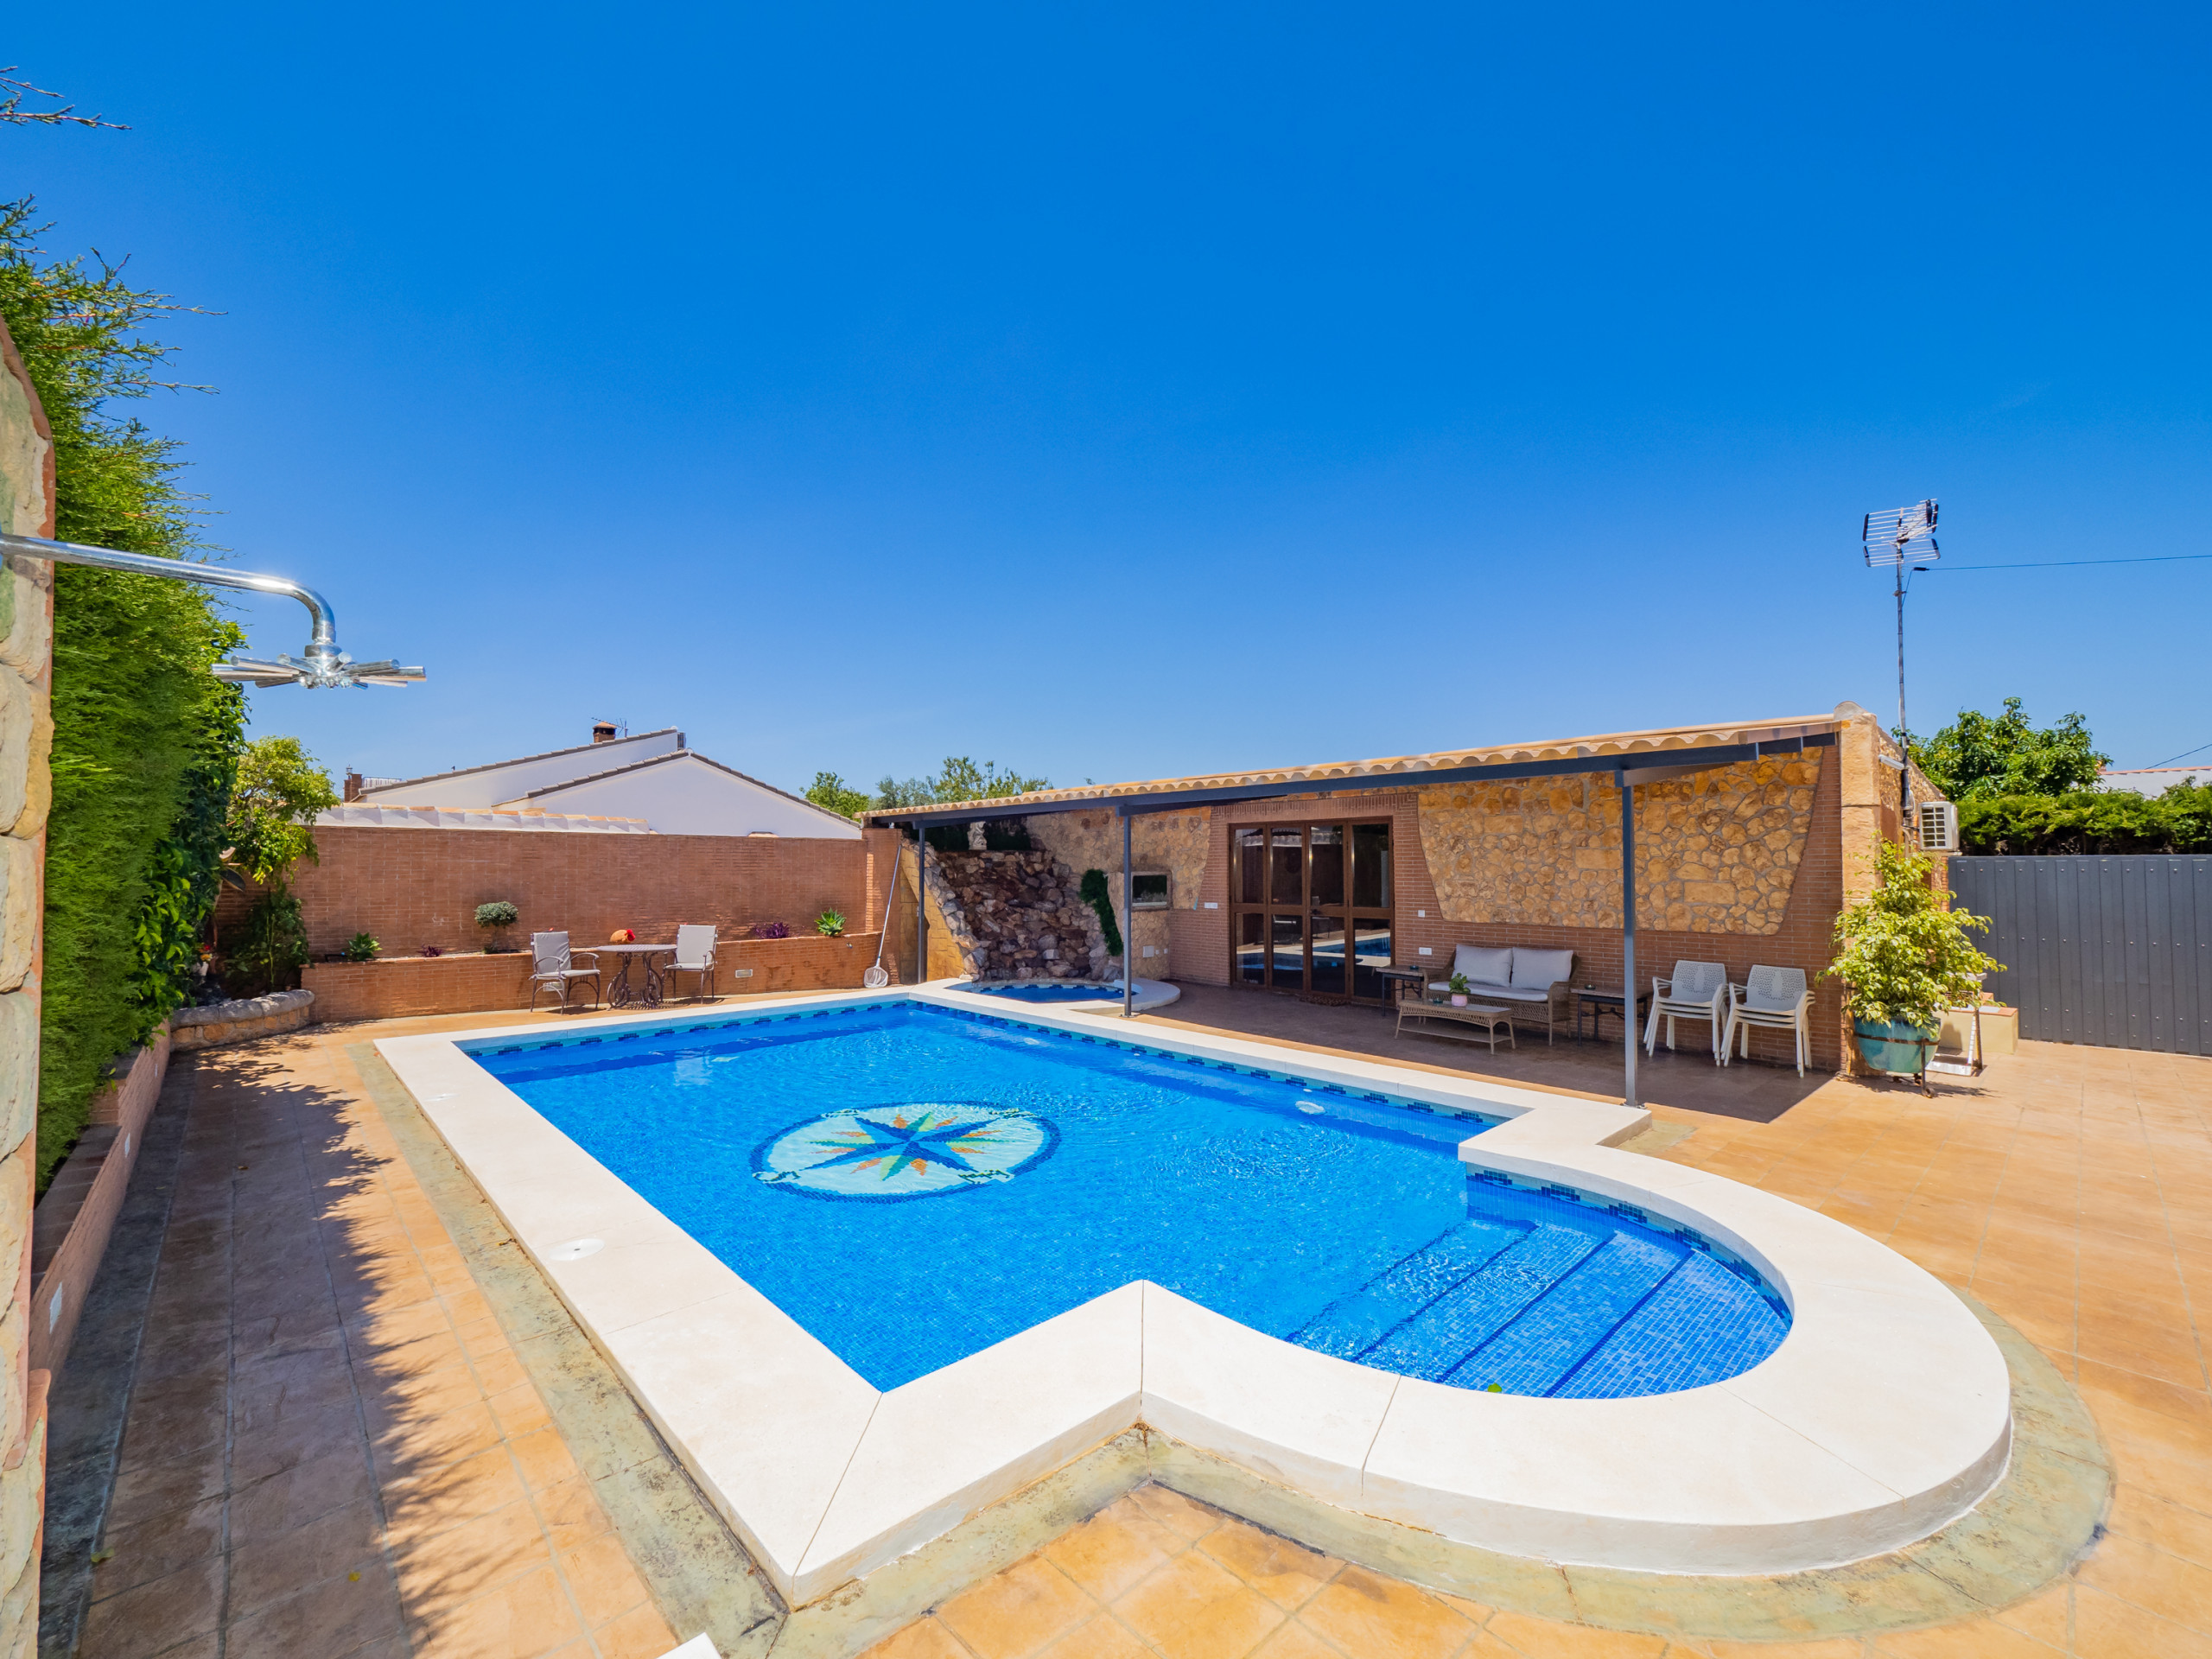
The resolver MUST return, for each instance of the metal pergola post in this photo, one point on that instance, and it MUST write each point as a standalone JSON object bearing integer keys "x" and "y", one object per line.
{"x": 921, "y": 904}
{"x": 1628, "y": 1033}
{"x": 1129, "y": 929}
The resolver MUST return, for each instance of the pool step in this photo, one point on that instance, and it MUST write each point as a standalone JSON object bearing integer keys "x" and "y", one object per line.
{"x": 1350, "y": 1325}
{"x": 1700, "y": 1322}
{"x": 1552, "y": 1336}
{"x": 1434, "y": 1342}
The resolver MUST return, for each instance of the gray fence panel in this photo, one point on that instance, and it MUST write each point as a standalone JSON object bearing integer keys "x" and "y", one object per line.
{"x": 2115, "y": 952}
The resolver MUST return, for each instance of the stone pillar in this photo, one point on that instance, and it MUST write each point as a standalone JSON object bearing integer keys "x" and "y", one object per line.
{"x": 26, "y": 735}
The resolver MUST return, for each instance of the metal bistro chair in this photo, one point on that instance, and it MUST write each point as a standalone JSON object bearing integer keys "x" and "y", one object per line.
{"x": 551, "y": 962}
{"x": 694, "y": 954}
{"x": 1774, "y": 999}
{"x": 1699, "y": 990}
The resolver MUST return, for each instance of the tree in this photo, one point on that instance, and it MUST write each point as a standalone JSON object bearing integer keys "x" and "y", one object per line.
{"x": 959, "y": 780}
{"x": 280, "y": 790}
{"x": 832, "y": 794}
{"x": 1975, "y": 757}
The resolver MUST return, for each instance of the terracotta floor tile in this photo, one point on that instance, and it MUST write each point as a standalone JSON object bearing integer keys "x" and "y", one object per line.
{"x": 1017, "y": 1611}
{"x": 1285, "y": 1574}
{"x": 422, "y": 1505}
{"x": 1111, "y": 1551}
{"x": 601, "y": 1580}
{"x": 571, "y": 1512}
{"x": 1978, "y": 1639}
{"x": 1195, "y": 1608}
{"x": 522, "y": 1620}
{"x": 1186, "y": 1517}
{"x": 345, "y": 1539}
{"x": 544, "y": 1459}
{"x": 641, "y": 1633}
{"x": 2047, "y": 1615}
{"x": 924, "y": 1639}
{"x": 143, "y": 1491}
{"x": 440, "y": 1573}
{"x": 155, "y": 1615}
{"x": 1295, "y": 1641}
{"x": 1103, "y": 1637}
{"x": 337, "y": 1616}
{"x": 156, "y": 1548}
{"x": 1366, "y": 1613}
{"x": 2165, "y": 1585}
{"x": 2107, "y": 1628}
{"x": 1543, "y": 1639}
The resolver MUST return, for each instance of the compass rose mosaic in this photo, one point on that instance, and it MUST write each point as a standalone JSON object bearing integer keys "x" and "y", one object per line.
{"x": 916, "y": 1150}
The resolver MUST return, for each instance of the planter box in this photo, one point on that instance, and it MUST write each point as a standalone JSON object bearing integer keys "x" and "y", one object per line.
{"x": 71, "y": 1226}
{"x": 393, "y": 988}
{"x": 241, "y": 1021}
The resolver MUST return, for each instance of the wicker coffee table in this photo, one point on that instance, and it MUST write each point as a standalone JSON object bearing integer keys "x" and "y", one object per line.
{"x": 1482, "y": 1023}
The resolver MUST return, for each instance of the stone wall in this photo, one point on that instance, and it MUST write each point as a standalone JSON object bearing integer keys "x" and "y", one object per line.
{"x": 1018, "y": 916}
{"x": 1173, "y": 841}
{"x": 26, "y": 735}
{"x": 1716, "y": 852}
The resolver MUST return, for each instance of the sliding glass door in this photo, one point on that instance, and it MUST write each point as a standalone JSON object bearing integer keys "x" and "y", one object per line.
{"x": 1310, "y": 907}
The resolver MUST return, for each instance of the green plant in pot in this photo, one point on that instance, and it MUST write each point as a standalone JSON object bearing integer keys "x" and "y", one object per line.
{"x": 496, "y": 919}
{"x": 1458, "y": 984}
{"x": 1903, "y": 958}
{"x": 362, "y": 947}
{"x": 831, "y": 925}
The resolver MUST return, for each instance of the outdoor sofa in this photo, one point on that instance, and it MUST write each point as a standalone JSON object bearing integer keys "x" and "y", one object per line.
{"x": 1518, "y": 977}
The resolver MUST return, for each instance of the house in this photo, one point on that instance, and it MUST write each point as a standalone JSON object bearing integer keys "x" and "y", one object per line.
{"x": 2150, "y": 781}
{"x": 651, "y": 781}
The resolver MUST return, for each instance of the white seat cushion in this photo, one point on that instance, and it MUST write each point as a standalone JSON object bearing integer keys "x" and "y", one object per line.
{"x": 1476, "y": 962}
{"x": 1482, "y": 992}
{"x": 1541, "y": 968}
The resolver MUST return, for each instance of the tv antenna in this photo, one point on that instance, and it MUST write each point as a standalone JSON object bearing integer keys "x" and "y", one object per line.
{"x": 1900, "y": 537}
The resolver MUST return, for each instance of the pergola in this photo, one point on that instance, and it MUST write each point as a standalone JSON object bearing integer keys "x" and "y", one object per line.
{"x": 1632, "y": 758}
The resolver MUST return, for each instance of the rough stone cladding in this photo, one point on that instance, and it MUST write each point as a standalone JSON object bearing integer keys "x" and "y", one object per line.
{"x": 1801, "y": 939}
{"x": 26, "y": 788}
{"x": 1173, "y": 841}
{"x": 411, "y": 887}
{"x": 1716, "y": 852}
{"x": 1018, "y": 916}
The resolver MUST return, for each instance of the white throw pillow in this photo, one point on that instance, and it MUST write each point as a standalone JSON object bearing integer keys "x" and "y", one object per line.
{"x": 1541, "y": 969}
{"x": 1483, "y": 967}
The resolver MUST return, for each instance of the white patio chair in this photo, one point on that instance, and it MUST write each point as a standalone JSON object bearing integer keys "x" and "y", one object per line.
{"x": 1699, "y": 990}
{"x": 1775, "y": 998}
{"x": 552, "y": 964}
{"x": 694, "y": 954}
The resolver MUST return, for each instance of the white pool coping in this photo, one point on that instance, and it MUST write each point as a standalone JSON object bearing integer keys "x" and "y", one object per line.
{"x": 1883, "y": 1414}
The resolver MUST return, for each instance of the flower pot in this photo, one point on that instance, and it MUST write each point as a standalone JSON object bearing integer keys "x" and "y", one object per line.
{"x": 1458, "y": 1000}
{"x": 1900, "y": 1050}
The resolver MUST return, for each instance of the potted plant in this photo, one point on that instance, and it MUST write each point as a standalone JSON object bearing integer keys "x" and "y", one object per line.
{"x": 362, "y": 947}
{"x": 497, "y": 917}
{"x": 831, "y": 925}
{"x": 1459, "y": 983}
{"x": 1904, "y": 957}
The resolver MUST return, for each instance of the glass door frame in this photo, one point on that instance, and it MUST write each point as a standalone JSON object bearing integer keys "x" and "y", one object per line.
{"x": 1275, "y": 906}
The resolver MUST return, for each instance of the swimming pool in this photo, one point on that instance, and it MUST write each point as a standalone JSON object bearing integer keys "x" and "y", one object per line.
{"x": 1037, "y": 991}
{"x": 1884, "y": 1411}
{"x": 913, "y": 1183}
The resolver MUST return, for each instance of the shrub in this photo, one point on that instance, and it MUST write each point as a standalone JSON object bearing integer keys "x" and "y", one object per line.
{"x": 1096, "y": 893}
{"x": 497, "y": 917}
{"x": 270, "y": 945}
{"x": 2089, "y": 821}
{"x": 772, "y": 930}
{"x": 829, "y": 925}
{"x": 1902, "y": 955}
{"x": 362, "y": 947}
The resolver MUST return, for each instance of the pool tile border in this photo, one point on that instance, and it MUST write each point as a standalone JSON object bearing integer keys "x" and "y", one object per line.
{"x": 1882, "y": 1416}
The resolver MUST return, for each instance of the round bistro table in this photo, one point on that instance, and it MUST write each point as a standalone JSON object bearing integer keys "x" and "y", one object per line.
{"x": 619, "y": 992}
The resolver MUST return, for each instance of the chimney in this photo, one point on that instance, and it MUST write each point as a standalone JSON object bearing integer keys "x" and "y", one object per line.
{"x": 352, "y": 785}
{"x": 603, "y": 731}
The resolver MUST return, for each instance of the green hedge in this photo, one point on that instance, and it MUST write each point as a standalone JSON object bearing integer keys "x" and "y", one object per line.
{"x": 144, "y": 739}
{"x": 2089, "y": 821}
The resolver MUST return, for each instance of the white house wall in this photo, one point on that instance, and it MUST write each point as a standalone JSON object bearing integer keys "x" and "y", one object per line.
{"x": 496, "y": 785}
{"x": 690, "y": 797}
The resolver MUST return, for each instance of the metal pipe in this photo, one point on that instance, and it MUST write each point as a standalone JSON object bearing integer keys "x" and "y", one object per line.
{"x": 1905, "y": 754}
{"x": 1628, "y": 930}
{"x": 1128, "y": 930}
{"x": 322, "y": 640}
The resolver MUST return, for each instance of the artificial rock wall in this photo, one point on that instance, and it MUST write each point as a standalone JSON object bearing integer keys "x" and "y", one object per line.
{"x": 1173, "y": 841}
{"x": 26, "y": 736}
{"x": 1017, "y": 916}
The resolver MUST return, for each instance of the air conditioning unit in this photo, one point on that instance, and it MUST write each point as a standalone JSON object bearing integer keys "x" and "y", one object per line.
{"x": 1939, "y": 827}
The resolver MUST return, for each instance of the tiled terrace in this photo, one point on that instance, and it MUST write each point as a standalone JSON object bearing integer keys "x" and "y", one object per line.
{"x": 333, "y": 1449}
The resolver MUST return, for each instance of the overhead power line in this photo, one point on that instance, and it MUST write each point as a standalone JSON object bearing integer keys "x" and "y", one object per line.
{"x": 2183, "y": 755}
{"x": 2054, "y": 564}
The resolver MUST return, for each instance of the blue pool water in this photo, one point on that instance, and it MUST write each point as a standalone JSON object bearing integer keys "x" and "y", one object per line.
{"x": 913, "y": 1183}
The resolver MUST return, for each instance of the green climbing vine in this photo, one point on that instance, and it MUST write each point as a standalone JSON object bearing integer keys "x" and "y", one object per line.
{"x": 1096, "y": 893}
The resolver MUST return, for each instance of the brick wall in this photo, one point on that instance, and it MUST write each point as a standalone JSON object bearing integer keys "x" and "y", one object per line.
{"x": 394, "y": 987}
{"x": 412, "y": 887}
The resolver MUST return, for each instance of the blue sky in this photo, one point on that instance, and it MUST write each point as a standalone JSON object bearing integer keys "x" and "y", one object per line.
{"x": 1136, "y": 392}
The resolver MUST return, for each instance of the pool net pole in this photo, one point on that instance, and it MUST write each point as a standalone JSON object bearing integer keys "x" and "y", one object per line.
{"x": 921, "y": 903}
{"x": 1628, "y": 931}
{"x": 1128, "y": 931}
